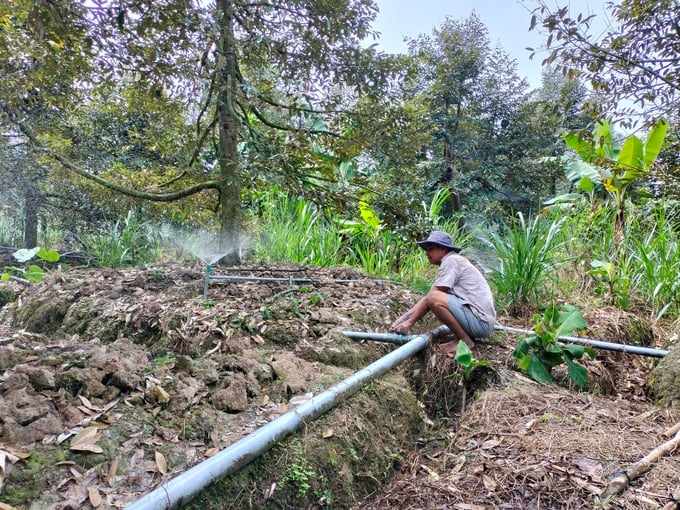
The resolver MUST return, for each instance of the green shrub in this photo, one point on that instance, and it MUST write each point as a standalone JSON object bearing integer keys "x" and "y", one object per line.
{"x": 540, "y": 352}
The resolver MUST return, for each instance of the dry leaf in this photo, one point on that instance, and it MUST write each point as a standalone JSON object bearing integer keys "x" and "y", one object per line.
{"x": 112, "y": 471}
{"x": 327, "y": 433}
{"x": 3, "y": 506}
{"x": 528, "y": 426}
{"x": 491, "y": 443}
{"x": 86, "y": 447}
{"x": 88, "y": 404}
{"x": 86, "y": 410}
{"x": 94, "y": 496}
{"x": 489, "y": 483}
{"x": 211, "y": 451}
{"x": 590, "y": 467}
{"x": 162, "y": 396}
{"x": 87, "y": 435}
{"x": 12, "y": 457}
{"x": 431, "y": 472}
{"x": 63, "y": 437}
{"x": 161, "y": 463}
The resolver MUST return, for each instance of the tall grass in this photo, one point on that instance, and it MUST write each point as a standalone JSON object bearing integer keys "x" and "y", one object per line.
{"x": 294, "y": 230}
{"x": 525, "y": 261}
{"x": 128, "y": 242}
{"x": 656, "y": 276}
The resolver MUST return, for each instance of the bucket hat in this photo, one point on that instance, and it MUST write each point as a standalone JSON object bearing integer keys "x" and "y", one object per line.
{"x": 440, "y": 238}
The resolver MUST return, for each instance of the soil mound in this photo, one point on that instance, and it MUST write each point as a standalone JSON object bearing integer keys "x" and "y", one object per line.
{"x": 115, "y": 381}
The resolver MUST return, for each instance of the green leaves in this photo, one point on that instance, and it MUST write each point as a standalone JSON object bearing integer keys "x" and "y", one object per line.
{"x": 539, "y": 353}
{"x": 465, "y": 359}
{"x": 526, "y": 261}
{"x": 32, "y": 272}
{"x": 604, "y": 162}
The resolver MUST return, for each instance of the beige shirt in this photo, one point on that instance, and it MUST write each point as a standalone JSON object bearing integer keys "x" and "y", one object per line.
{"x": 464, "y": 280}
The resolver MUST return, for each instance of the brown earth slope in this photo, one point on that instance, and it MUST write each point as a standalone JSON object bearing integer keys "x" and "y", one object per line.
{"x": 113, "y": 382}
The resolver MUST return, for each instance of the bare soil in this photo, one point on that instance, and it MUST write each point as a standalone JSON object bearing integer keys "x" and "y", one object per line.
{"x": 114, "y": 382}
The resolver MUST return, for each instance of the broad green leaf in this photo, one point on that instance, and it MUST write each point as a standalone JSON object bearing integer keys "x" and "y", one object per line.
{"x": 583, "y": 148}
{"x": 604, "y": 140}
{"x": 4, "y": 277}
{"x": 551, "y": 357}
{"x": 586, "y": 184}
{"x": 575, "y": 170}
{"x": 537, "y": 371}
{"x": 48, "y": 255}
{"x": 368, "y": 215}
{"x": 521, "y": 349}
{"x": 463, "y": 354}
{"x": 577, "y": 373}
{"x": 34, "y": 273}
{"x": 24, "y": 254}
{"x": 631, "y": 155}
{"x": 654, "y": 142}
{"x": 524, "y": 362}
{"x": 567, "y": 198}
{"x": 575, "y": 350}
{"x": 571, "y": 319}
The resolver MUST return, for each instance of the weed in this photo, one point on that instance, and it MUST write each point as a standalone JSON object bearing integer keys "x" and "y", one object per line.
{"x": 300, "y": 472}
{"x": 32, "y": 272}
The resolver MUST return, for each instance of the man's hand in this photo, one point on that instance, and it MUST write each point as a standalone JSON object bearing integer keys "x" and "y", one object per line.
{"x": 401, "y": 326}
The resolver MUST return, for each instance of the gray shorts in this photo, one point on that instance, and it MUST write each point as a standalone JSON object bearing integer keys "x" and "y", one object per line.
{"x": 475, "y": 327}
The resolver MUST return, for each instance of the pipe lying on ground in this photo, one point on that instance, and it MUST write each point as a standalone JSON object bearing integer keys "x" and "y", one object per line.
{"x": 290, "y": 280}
{"x": 181, "y": 489}
{"x": 610, "y": 346}
{"x": 629, "y": 349}
{"x": 394, "y": 338}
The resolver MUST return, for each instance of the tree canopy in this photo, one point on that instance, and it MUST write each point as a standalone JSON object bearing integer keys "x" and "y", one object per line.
{"x": 263, "y": 84}
{"x": 636, "y": 59}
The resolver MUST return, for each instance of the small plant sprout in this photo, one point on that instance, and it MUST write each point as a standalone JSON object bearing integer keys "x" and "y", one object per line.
{"x": 466, "y": 360}
{"x": 540, "y": 352}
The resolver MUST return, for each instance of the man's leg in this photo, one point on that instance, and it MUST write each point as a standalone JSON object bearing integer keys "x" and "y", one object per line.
{"x": 437, "y": 302}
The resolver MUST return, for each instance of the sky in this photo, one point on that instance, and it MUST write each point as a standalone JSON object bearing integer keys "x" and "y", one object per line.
{"x": 507, "y": 21}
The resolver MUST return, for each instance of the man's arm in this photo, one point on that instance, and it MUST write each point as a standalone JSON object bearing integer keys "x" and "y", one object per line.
{"x": 404, "y": 323}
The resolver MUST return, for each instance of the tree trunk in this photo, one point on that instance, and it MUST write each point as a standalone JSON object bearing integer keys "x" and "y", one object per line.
{"x": 230, "y": 175}
{"x": 455, "y": 201}
{"x": 31, "y": 208}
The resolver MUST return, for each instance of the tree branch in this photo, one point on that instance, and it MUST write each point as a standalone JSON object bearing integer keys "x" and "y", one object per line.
{"x": 155, "y": 197}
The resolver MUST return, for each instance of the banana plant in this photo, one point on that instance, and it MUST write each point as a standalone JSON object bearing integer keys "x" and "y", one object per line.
{"x": 616, "y": 167}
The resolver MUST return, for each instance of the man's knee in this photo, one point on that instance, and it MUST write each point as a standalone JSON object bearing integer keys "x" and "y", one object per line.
{"x": 437, "y": 297}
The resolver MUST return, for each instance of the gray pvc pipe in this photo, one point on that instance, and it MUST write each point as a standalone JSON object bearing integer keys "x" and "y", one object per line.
{"x": 181, "y": 489}
{"x": 394, "y": 338}
{"x": 610, "y": 346}
{"x": 209, "y": 276}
